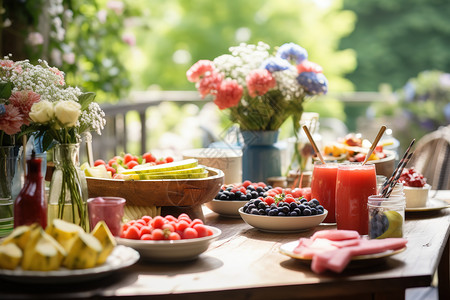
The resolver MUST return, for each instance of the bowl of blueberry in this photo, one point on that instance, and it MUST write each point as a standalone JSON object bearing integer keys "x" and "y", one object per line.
{"x": 231, "y": 197}
{"x": 283, "y": 213}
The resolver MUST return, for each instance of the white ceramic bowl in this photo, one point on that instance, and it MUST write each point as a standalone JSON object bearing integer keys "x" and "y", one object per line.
{"x": 282, "y": 224}
{"x": 416, "y": 196}
{"x": 171, "y": 251}
{"x": 226, "y": 208}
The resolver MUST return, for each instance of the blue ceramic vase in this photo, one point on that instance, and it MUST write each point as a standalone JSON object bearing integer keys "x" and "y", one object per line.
{"x": 261, "y": 158}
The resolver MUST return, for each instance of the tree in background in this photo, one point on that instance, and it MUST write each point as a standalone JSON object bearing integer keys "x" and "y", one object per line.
{"x": 395, "y": 40}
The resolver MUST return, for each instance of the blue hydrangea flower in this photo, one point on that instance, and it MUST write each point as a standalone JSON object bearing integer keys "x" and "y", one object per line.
{"x": 447, "y": 112}
{"x": 2, "y": 109}
{"x": 275, "y": 64}
{"x": 313, "y": 83}
{"x": 292, "y": 52}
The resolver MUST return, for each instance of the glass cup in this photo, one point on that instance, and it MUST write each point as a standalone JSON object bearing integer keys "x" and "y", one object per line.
{"x": 386, "y": 216}
{"x": 108, "y": 209}
{"x": 354, "y": 184}
{"x": 323, "y": 187}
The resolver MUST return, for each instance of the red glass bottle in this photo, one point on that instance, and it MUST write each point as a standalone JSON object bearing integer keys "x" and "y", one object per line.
{"x": 30, "y": 205}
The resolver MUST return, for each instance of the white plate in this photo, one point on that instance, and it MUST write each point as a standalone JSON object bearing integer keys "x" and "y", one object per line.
{"x": 288, "y": 249}
{"x": 226, "y": 208}
{"x": 171, "y": 251}
{"x": 120, "y": 258}
{"x": 432, "y": 204}
{"x": 282, "y": 224}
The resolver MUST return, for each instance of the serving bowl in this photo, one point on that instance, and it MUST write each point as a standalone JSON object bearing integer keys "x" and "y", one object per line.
{"x": 385, "y": 166}
{"x": 226, "y": 208}
{"x": 172, "y": 196}
{"x": 416, "y": 197}
{"x": 171, "y": 250}
{"x": 282, "y": 224}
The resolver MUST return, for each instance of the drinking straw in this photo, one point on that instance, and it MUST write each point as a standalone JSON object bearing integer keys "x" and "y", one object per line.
{"x": 374, "y": 144}
{"x": 308, "y": 134}
{"x": 387, "y": 183}
{"x": 397, "y": 177}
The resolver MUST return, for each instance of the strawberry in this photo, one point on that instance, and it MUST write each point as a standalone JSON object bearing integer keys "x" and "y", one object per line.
{"x": 146, "y": 237}
{"x": 158, "y": 234}
{"x": 246, "y": 183}
{"x": 157, "y": 222}
{"x": 149, "y": 157}
{"x": 169, "y": 159}
{"x": 201, "y": 230}
{"x": 99, "y": 162}
{"x": 127, "y": 158}
{"x": 131, "y": 164}
{"x": 190, "y": 233}
{"x": 132, "y": 233}
{"x": 174, "y": 236}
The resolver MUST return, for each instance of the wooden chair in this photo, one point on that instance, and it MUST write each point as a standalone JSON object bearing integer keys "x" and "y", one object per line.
{"x": 432, "y": 158}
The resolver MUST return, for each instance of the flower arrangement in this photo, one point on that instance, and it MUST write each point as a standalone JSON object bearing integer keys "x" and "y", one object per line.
{"x": 34, "y": 100}
{"x": 261, "y": 90}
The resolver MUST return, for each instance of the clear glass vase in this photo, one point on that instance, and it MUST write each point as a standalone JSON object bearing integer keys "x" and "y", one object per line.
{"x": 8, "y": 160}
{"x": 68, "y": 193}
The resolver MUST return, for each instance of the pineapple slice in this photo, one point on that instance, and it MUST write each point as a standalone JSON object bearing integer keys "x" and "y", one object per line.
{"x": 42, "y": 252}
{"x": 20, "y": 235}
{"x": 106, "y": 239}
{"x": 10, "y": 256}
{"x": 63, "y": 232}
{"x": 84, "y": 251}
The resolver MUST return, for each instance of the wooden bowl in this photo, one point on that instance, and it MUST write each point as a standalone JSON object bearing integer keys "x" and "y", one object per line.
{"x": 174, "y": 196}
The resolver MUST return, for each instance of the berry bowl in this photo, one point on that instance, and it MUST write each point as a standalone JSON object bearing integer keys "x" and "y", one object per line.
{"x": 171, "y": 250}
{"x": 226, "y": 208}
{"x": 416, "y": 196}
{"x": 282, "y": 224}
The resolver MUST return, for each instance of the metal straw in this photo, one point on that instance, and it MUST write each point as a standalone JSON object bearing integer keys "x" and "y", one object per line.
{"x": 397, "y": 177}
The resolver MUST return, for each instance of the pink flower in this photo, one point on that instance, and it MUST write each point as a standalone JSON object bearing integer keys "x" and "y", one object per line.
{"x": 116, "y": 6}
{"x": 309, "y": 66}
{"x": 259, "y": 82}
{"x": 229, "y": 94}
{"x": 60, "y": 74}
{"x": 129, "y": 38}
{"x": 6, "y": 63}
{"x": 199, "y": 69}
{"x": 35, "y": 38}
{"x": 23, "y": 100}
{"x": 11, "y": 121}
{"x": 209, "y": 84}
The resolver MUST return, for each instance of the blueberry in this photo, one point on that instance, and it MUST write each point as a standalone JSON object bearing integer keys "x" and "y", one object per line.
{"x": 223, "y": 197}
{"x": 250, "y": 188}
{"x": 315, "y": 201}
{"x": 306, "y": 212}
{"x": 261, "y": 194}
{"x": 293, "y": 205}
{"x": 298, "y": 211}
{"x": 238, "y": 194}
{"x": 302, "y": 207}
{"x": 281, "y": 214}
{"x": 303, "y": 200}
{"x": 285, "y": 209}
{"x": 254, "y": 194}
{"x": 319, "y": 207}
{"x": 248, "y": 196}
{"x": 267, "y": 210}
{"x": 273, "y": 212}
{"x": 256, "y": 202}
{"x": 251, "y": 206}
{"x": 313, "y": 211}
{"x": 232, "y": 196}
{"x": 262, "y": 205}
{"x": 243, "y": 197}
{"x": 229, "y": 188}
{"x": 312, "y": 204}
{"x": 254, "y": 211}
{"x": 261, "y": 211}
{"x": 293, "y": 213}
{"x": 259, "y": 189}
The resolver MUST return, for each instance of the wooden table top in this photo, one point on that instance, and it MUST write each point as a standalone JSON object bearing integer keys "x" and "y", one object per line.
{"x": 245, "y": 263}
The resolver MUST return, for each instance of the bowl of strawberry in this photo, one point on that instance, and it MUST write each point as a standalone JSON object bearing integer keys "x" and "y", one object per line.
{"x": 168, "y": 238}
{"x": 415, "y": 188}
{"x": 283, "y": 213}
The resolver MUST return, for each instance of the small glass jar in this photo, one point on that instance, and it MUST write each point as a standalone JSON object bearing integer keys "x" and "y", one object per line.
{"x": 386, "y": 216}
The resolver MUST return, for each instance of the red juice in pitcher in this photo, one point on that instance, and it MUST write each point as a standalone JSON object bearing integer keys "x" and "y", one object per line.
{"x": 355, "y": 183}
{"x": 323, "y": 187}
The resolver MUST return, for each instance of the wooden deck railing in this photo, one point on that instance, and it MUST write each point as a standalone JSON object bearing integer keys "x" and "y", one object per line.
{"x": 114, "y": 139}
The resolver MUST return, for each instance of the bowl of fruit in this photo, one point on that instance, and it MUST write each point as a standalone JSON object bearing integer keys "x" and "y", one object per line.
{"x": 173, "y": 187}
{"x": 415, "y": 188}
{"x": 168, "y": 239}
{"x": 283, "y": 213}
{"x": 231, "y": 197}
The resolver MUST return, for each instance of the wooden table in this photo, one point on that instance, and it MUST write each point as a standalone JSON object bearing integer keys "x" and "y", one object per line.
{"x": 244, "y": 263}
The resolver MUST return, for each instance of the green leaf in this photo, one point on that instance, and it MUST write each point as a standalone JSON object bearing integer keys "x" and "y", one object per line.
{"x": 5, "y": 89}
{"x": 85, "y": 99}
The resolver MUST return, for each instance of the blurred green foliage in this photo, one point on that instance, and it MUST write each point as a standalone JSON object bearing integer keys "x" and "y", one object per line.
{"x": 395, "y": 40}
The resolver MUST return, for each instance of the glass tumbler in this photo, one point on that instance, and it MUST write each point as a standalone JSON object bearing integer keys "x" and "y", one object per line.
{"x": 323, "y": 187}
{"x": 108, "y": 209}
{"x": 386, "y": 216}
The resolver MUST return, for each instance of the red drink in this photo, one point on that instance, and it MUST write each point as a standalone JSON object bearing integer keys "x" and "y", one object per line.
{"x": 355, "y": 183}
{"x": 323, "y": 188}
{"x": 108, "y": 209}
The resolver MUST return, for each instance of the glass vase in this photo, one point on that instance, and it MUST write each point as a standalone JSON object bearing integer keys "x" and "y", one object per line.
{"x": 68, "y": 193}
{"x": 261, "y": 158}
{"x": 8, "y": 160}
